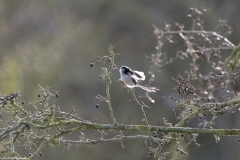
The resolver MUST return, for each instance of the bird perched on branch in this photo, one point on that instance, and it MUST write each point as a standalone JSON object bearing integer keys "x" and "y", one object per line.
{"x": 132, "y": 78}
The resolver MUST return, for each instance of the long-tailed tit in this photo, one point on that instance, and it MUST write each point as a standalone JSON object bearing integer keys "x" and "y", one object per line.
{"x": 131, "y": 79}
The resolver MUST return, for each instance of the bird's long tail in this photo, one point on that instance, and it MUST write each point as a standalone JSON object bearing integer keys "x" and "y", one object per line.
{"x": 149, "y": 89}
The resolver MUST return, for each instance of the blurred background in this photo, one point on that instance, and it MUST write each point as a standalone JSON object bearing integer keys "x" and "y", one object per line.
{"x": 52, "y": 43}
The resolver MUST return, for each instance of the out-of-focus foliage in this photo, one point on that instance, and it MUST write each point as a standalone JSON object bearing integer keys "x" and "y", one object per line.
{"x": 233, "y": 61}
{"x": 52, "y": 43}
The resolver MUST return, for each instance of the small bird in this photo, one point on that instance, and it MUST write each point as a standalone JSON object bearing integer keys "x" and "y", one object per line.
{"x": 131, "y": 79}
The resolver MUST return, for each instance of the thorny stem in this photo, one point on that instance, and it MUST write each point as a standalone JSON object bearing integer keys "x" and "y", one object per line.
{"x": 40, "y": 148}
{"x": 108, "y": 83}
{"x": 100, "y": 141}
{"x": 197, "y": 32}
{"x": 143, "y": 112}
{"x": 92, "y": 126}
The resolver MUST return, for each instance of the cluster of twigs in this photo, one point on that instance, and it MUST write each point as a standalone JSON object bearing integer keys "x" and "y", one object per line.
{"x": 198, "y": 90}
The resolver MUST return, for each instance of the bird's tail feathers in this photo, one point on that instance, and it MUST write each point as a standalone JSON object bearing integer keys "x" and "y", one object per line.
{"x": 149, "y": 89}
